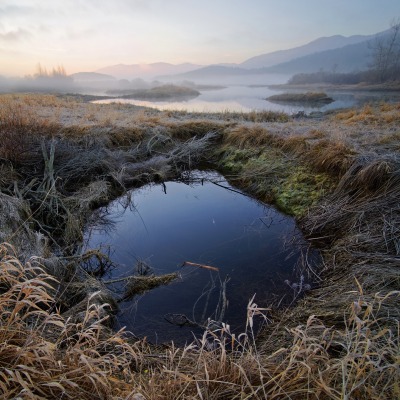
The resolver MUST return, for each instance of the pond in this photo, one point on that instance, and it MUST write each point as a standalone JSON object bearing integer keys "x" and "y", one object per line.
{"x": 245, "y": 98}
{"x": 204, "y": 221}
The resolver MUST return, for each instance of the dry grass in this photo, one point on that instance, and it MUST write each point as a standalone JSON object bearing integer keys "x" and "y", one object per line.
{"x": 330, "y": 156}
{"x": 385, "y": 113}
{"x": 44, "y": 355}
{"x": 65, "y": 170}
{"x": 319, "y": 363}
{"x": 34, "y": 100}
{"x": 190, "y": 129}
{"x": 20, "y": 129}
{"x": 246, "y": 136}
{"x": 392, "y": 140}
{"x": 340, "y": 342}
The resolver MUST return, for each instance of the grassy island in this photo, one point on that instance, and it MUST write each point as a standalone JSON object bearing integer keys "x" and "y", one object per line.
{"x": 310, "y": 98}
{"x": 164, "y": 92}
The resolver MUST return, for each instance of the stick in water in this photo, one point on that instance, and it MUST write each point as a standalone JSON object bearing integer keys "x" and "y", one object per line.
{"x": 200, "y": 265}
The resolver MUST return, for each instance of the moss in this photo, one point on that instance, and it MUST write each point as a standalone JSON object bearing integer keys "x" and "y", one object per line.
{"x": 272, "y": 176}
{"x": 232, "y": 159}
{"x": 301, "y": 189}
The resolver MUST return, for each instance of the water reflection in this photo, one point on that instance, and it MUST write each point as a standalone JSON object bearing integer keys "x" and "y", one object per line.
{"x": 240, "y": 98}
{"x": 254, "y": 248}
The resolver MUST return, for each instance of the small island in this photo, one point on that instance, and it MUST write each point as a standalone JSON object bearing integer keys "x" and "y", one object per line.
{"x": 164, "y": 92}
{"x": 311, "y": 98}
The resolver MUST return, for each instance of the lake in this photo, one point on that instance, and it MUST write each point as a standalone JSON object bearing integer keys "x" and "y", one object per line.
{"x": 245, "y": 98}
{"x": 204, "y": 221}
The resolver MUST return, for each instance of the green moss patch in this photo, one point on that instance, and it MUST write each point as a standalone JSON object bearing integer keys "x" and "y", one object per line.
{"x": 275, "y": 177}
{"x": 300, "y": 190}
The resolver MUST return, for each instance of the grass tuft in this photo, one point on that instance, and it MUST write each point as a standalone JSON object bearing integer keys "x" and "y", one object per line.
{"x": 334, "y": 157}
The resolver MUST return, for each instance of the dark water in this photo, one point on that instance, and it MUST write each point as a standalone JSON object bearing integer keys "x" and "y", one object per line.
{"x": 251, "y": 244}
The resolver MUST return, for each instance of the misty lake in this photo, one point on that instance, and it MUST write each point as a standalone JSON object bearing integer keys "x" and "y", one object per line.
{"x": 254, "y": 247}
{"x": 232, "y": 98}
{"x": 245, "y": 98}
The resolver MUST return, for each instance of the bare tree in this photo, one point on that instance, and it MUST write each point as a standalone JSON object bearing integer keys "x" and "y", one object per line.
{"x": 386, "y": 54}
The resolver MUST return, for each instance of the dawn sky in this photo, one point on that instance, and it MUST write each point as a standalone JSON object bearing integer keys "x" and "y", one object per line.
{"x": 84, "y": 35}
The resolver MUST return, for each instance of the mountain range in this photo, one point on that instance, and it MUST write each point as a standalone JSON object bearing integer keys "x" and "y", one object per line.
{"x": 319, "y": 45}
{"x": 146, "y": 71}
{"x": 335, "y": 53}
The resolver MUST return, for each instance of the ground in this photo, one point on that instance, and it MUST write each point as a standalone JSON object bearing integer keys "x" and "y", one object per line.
{"x": 337, "y": 173}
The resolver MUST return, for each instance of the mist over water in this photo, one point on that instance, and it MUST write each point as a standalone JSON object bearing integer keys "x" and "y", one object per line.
{"x": 246, "y": 98}
{"x": 250, "y": 93}
{"x": 217, "y": 94}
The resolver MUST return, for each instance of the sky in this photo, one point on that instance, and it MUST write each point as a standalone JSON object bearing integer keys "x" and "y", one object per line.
{"x": 85, "y": 35}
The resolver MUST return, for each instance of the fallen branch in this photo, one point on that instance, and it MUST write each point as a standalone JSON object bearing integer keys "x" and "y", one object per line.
{"x": 139, "y": 284}
{"x": 200, "y": 266}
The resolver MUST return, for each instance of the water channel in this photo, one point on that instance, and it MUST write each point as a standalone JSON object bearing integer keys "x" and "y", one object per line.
{"x": 256, "y": 249}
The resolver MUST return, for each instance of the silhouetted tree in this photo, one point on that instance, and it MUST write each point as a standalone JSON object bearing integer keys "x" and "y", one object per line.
{"x": 386, "y": 54}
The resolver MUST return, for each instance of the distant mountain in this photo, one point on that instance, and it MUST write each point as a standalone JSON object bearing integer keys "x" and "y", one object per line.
{"x": 339, "y": 53}
{"x": 348, "y": 58}
{"x": 213, "y": 71}
{"x": 345, "y": 59}
{"x": 91, "y": 77}
{"x": 318, "y": 45}
{"x": 146, "y": 71}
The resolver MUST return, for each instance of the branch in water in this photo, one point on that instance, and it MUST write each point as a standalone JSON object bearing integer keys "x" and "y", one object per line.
{"x": 200, "y": 265}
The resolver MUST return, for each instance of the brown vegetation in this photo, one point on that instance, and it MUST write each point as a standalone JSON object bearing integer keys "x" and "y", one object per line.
{"x": 307, "y": 98}
{"x": 164, "y": 92}
{"x": 43, "y": 355}
{"x": 339, "y": 176}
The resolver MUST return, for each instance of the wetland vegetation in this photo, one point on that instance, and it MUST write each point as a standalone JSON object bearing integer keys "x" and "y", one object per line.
{"x": 313, "y": 98}
{"x": 338, "y": 175}
{"x": 158, "y": 93}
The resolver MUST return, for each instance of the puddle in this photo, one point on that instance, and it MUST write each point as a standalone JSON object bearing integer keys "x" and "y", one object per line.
{"x": 255, "y": 248}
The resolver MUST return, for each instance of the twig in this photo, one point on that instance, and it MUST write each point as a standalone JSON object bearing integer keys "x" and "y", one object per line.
{"x": 200, "y": 266}
{"x": 127, "y": 278}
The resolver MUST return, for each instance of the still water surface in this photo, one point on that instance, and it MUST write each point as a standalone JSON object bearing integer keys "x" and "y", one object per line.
{"x": 242, "y": 98}
{"x": 252, "y": 245}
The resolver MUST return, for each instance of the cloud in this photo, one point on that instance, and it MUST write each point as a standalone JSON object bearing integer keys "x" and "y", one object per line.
{"x": 12, "y": 10}
{"x": 14, "y": 35}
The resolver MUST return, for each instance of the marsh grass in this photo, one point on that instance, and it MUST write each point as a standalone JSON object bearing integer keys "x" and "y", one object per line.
{"x": 245, "y": 136}
{"x": 273, "y": 167}
{"x": 330, "y": 156}
{"x": 20, "y": 130}
{"x": 45, "y": 355}
{"x": 189, "y": 129}
{"x": 341, "y": 341}
{"x": 231, "y": 116}
{"x": 167, "y": 91}
{"x": 301, "y": 98}
{"x": 42, "y": 355}
{"x": 384, "y": 113}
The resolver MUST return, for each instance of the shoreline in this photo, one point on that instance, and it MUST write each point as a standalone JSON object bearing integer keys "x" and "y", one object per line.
{"x": 389, "y": 88}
